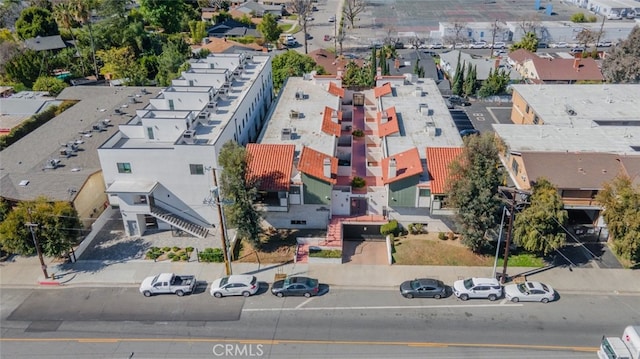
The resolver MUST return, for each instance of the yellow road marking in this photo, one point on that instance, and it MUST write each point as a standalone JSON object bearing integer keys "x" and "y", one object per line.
{"x": 292, "y": 341}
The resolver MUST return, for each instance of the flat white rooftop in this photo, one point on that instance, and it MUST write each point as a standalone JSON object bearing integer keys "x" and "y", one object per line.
{"x": 582, "y": 105}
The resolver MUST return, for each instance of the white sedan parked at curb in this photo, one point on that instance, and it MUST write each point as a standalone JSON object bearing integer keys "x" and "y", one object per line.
{"x": 529, "y": 292}
{"x": 244, "y": 285}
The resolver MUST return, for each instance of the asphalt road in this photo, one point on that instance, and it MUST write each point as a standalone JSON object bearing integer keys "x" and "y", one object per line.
{"x": 115, "y": 322}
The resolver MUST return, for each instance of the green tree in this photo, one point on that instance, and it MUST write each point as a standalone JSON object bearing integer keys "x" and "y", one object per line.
{"x": 539, "y": 227}
{"x": 621, "y": 201}
{"x": 621, "y": 65}
{"x": 458, "y": 85}
{"x": 164, "y": 14}
{"x": 23, "y": 67}
{"x": 174, "y": 54}
{"x": 495, "y": 84}
{"x": 578, "y": 17}
{"x": 469, "y": 84}
{"x": 292, "y": 63}
{"x": 5, "y": 208}
{"x": 269, "y": 29}
{"x": 198, "y": 31}
{"x": 238, "y": 188}
{"x": 373, "y": 66}
{"x": 222, "y": 16}
{"x": 58, "y": 227}
{"x": 356, "y": 76}
{"x": 528, "y": 42}
{"x": 50, "y": 84}
{"x": 34, "y": 22}
{"x": 82, "y": 10}
{"x": 246, "y": 20}
{"x": 63, "y": 13}
{"x": 473, "y": 188}
{"x": 119, "y": 63}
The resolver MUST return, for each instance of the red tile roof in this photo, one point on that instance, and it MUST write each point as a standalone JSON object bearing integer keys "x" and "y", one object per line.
{"x": 382, "y": 90}
{"x": 407, "y": 164}
{"x": 270, "y": 165}
{"x": 335, "y": 90}
{"x": 328, "y": 125}
{"x": 311, "y": 163}
{"x": 438, "y": 160}
{"x": 330, "y": 63}
{"x": 389, "y": 127}
{"x": 521, "y": 55}
{"x": 218, "y": 45}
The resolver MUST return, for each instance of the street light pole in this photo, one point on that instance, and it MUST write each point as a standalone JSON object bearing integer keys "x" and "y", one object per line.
{"x": 223, "y": 230}
{"x": 495, "y": 262}
{"x": 32, "y": 226}
{"x": 508, "y": 242}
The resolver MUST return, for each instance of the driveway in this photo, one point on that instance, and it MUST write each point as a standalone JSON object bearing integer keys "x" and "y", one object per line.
{"x": 364, "y": 252}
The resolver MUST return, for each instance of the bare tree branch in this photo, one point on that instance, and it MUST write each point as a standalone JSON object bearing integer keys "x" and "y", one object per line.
{"x": 303, "y": 8}
{"x": 351, "y": 10}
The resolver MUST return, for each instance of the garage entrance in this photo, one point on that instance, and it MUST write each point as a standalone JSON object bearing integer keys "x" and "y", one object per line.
{"x": 362, "y": 232}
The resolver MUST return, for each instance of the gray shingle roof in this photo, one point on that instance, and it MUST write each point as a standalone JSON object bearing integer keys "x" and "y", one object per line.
{"x": 42, "y": 43}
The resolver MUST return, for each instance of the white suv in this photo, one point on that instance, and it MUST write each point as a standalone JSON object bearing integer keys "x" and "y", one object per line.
{"x": 487, "y": 288}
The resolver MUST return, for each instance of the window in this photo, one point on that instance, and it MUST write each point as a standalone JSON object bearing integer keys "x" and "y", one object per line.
{"x": 196, "y": 169}
{"x": 514, "y": 166}
{"x": 124, "y": 167}
{"x": 536, "y": 119}
{"x": 150, "y": 133}
{"x": 298, "y": 222}
{"x": 424, "y": 192}
{"x": 526, "y": 109}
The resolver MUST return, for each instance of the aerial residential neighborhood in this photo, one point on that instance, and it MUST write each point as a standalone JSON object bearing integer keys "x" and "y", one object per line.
{"x": 406, "y": 179}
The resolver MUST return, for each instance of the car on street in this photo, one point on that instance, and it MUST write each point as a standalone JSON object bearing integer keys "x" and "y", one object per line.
{"x": 499, "y": 52}
{"x": 529, "y": 292}
{"x": 241, "y": 284}
{"x": 485, "y": 288}
{"x": 560, "y": 45}
{"x": 460, "y": 101}
{"x": 295, "y": 286}
{"x": 327, "y": 37}
{"x": 478, "y": 45}
{"x": 499, "y": 45}
{"x": 332, "y": 19}
{"x": 168, "y": 283}
{"x": 460, "y": 45}
{"x": 423, "y": 288}
{"x": 436, "y": 45}
{"x": 605, "y": 44}
{"x": 577, "y": 50}
{"x": 543, "y": 45}
{"x": 350, "y": 56}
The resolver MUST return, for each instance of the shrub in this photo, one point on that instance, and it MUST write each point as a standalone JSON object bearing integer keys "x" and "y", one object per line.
{"x": 189, "y": 249}
{"x": 175, "y": 249}
{"x": 416, "y": 228}
{"x": 390, "y": 228}
{"x": 592, "y": 18}
{"x": 578, "y": 17}
{"x": 166, "y": 249}
{"x": 357, "y": 133}
{"x": 171, "y": 255}
{"x": 211, "y": 255}
{"x": 175, "y": 258}
{"x": 442, "y": 236}
{"x": 325, "y": 253}
{"x": 358, "y": 182}
{"x": 184, "y": 257}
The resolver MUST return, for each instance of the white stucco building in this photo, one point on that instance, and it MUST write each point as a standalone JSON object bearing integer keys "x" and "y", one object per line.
{"x": 158, "y": 168}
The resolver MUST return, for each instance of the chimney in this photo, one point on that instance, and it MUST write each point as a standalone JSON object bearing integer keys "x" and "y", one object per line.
{"x": 339, "y": 73}
{"x": 392, "y": 168}
{"x": 326, "y": 167}
{"x": 576, "y": 62}
{"x": 379, "y": 72}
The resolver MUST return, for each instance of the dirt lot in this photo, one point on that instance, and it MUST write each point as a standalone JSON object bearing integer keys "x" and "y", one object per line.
{"x": 276, "y": 246}
{"x": 427, "y": 249}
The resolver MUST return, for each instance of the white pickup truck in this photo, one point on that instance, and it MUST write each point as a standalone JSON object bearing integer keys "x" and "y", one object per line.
{"x": 168, "y": 283}
{"x": 625, "y": 347}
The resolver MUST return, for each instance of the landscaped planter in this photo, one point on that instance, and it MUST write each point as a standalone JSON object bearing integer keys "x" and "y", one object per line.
{"x": 325, "y": 255}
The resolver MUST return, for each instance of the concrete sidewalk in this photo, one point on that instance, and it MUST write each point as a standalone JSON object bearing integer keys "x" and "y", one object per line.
{"x": 25, "y": 272}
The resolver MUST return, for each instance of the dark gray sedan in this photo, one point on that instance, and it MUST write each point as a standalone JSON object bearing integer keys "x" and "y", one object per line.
{"x": 300, "y": 286}
{"x": 423, "y": 288}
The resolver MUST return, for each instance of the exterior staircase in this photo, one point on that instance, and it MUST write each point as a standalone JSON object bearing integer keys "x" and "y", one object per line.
{"x": 334, "y": 233}
{"x": 179, "y": 222}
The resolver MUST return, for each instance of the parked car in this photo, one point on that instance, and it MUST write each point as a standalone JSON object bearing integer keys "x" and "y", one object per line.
{"x": 560, "y": 45}
{"x": 300, "y": 286}
{"x": 529, "y": 292}
{"x": 423, "y": 288}
{"x": 478, "y": 45}
{"x": 460, "y": 45}
{"x": 499, "y": 45}
{"x": 460, "y": 101}
{"x": 332, "y": 19}
{"x": 543, "y": 45}
{"x": 605, "y": 44}
{"x": 327, "y": 37}
{"x": 308, "y": 36}
{"x": 577, "y": 50}
{"x": 469, "y": 132}
{"x": 485, "y": 288}
{"x": 241, "y": 284}
{"x": 309, "y": 18}
{"x": 614, "y": 16}
{"x": 436, "y": 45}
{"x": 499, "y": 52}
{"x": 168, "y": 283}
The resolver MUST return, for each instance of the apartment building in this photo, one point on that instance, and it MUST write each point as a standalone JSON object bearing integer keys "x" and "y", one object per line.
{"x": 159, "y": 166}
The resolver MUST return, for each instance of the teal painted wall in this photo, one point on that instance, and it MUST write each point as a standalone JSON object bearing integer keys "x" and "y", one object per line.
{"x": 404, "y": 192}
{"x": 315, "y": 190}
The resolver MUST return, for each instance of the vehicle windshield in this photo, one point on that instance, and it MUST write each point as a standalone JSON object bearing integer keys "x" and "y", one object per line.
{"x": 468, "y": 283}
{"x": 544, "y": 286}
{"x": 415, "y": 284}
{"x": 224, "y": 281}
{"x": 523, "y": 288}
{"x": 607, "y": 349}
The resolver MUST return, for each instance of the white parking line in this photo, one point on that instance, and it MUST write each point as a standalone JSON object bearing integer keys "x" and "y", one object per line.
{"x": 466, "y": 306}
{"x": 303, "y": 303}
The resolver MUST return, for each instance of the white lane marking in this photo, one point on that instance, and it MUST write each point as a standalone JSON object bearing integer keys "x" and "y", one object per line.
{"x": 380, "y": 307}
{"x": 303, "y": 303}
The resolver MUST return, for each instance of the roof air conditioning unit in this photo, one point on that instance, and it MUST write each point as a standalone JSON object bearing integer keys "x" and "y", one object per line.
{"x": 418, "y": 92}
{"x": 52, "y": 164}
{"x": 285, "y": 134}
{"x": 189, "y": 137}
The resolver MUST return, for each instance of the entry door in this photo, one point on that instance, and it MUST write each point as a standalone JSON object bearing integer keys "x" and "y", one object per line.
{"x": 358, "y": 206}
{"x": 133, "y": 228}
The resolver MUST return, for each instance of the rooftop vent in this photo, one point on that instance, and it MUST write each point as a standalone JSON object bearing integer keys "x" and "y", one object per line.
{"x": 423, "y": 108}
{"x": 23, "y": 183}
{"x": 418, "y": 92}
{"x": 300, "y": 95}
{"x": 569, "y": 110}
{"x": 52, "y": 164}
{"x": 286, "y": 134}
{"x": 189, "y": 137}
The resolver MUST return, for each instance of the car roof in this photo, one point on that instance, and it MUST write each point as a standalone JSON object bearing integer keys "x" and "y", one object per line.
{"x": 240, "y": 278}
{"x": 428, "y": 281}
{"x": 479, "y": 280}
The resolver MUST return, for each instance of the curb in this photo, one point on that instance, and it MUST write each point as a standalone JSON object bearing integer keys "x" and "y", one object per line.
{"x": 49, "y": 283}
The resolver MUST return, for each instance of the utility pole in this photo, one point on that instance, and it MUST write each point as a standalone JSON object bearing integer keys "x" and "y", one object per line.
{"x": 493, "y": 40}
{"x": 223, "y": 230}
{"x": 32, "y": 227}
{"x": 335, "y": 35}
{"x": 508, "y": 241}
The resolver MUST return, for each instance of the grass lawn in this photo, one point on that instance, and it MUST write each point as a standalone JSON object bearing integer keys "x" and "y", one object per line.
{"x": 522, "y": 260}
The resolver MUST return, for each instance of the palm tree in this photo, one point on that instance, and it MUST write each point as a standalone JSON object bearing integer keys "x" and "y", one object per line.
{"x": 81, "y": 10}
{"x": 63, "y": 14}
